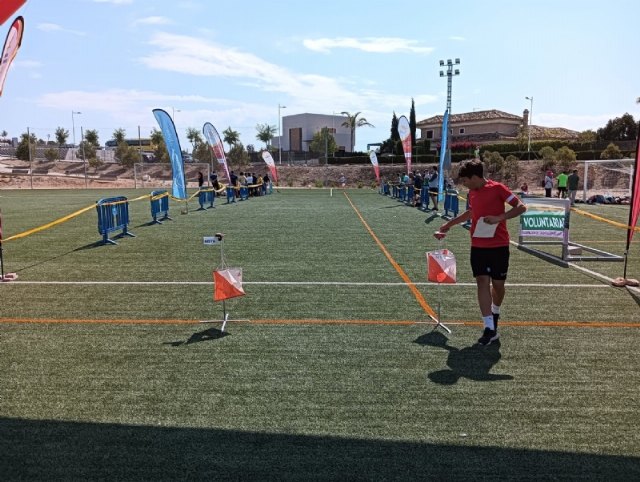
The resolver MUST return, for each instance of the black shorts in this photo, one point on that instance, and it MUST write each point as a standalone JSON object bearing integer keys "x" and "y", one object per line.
{"x": 433, "y": 190}
{"x": 493, "y": 262}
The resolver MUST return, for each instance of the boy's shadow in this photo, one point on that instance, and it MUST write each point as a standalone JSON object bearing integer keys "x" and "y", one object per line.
{"x": 473, "y": 362}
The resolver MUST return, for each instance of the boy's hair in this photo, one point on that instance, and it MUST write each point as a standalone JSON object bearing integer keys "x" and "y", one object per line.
{"x": 472, "y": 167}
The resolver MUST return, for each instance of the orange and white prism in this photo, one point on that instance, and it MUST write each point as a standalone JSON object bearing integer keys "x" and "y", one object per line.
{"x": 441, "y": 266}
{"x": 228, "y": 284}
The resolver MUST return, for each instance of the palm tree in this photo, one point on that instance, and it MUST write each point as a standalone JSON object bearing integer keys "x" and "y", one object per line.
{"x": 119, "y": 135}
{"x": 353, "y": 123}
{"x": 265, "y": 133}
{"x": 231, "y": 137}
{"x": 194, "y": 137}
{"x": 62, "y": 135}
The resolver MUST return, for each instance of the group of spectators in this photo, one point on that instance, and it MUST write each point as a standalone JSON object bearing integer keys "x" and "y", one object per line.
{"x": 249, "y": 180}
{"x": 429, "y": 179}
{"x": 566, "y": 185}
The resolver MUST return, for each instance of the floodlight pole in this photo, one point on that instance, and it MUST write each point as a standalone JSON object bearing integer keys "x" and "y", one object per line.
{"x": 450, "y": 73}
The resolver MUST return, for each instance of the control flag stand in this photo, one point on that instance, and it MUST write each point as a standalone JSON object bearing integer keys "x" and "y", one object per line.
{"x": 227, "y": 281}
{"x": 441, "y": 268}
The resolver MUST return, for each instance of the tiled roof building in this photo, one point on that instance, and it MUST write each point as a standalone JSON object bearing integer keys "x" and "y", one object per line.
{"x": 490, "y": 126}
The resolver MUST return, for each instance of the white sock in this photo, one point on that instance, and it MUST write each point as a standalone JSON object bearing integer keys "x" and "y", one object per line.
{"x": 495, "y": 309}
{"x": 488, "y": 322}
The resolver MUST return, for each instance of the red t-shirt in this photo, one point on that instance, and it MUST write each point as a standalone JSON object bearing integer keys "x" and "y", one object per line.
{"x": 489, "y": 201}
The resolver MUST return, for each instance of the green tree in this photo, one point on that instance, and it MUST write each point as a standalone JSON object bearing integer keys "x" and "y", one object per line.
{"x": 91, "y": 136}
{"x": 4, "y": 133}
{"x": 395, "y": 135}
{"x": 51, "y": 154}
{"x": 203, "y": 153}
{"x": 159, "y": 147}
{"x": 566, "y": 158}
{"x": 27, "y": 142}
{"x": 511, "y": 168}
{"x": 119, "y": 135}
{"x": 619, "y": 129}
{"x": 352, "y": 123}
{"x": 587, "y": 136}
{"x": 62, "y": 135}
{"x": 611, "y": 152}
{"x": 194, "y": 137}
{"x": 237, "y": 155}
{"x": 231, "y": 137}
{"x": 548, "y": 157}
{"x": 266, "y": 132}
{"x": 412, "y": 123}
{"x": 493, "y": 161}
{"x": 323, "y": 142}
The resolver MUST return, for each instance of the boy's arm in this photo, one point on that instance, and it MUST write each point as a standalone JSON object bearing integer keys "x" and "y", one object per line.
{"x": 461, "y": 218}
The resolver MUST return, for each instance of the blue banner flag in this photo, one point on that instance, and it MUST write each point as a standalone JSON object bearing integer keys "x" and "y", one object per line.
{"x": 445, "y": 162}
{"x": 168, "y": 128}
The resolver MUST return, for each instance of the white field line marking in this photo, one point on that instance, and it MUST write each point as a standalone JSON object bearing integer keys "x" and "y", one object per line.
{"x": 300, "y": 283}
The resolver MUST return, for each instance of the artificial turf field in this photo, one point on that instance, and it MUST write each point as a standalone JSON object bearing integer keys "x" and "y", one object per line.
{"x": 105, "y": 371}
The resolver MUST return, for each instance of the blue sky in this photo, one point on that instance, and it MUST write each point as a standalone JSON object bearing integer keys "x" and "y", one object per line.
{"x": 232, "y": 62}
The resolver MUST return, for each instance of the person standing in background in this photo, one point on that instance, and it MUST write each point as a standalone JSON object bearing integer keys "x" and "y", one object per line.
{"x": 548, "y": 184}
{"x": 562, "y": 184}
{"x": 572, "y": 186}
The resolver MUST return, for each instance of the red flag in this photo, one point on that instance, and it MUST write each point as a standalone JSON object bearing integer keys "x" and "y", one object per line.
{"x": 635, "y": 196}
{"x": 228, "y": 284}
{"x": 10, "y": 49}
{"x": 405, "y": 136}
{"x": 271, "y": 163}
{"x": 7, "y": 7}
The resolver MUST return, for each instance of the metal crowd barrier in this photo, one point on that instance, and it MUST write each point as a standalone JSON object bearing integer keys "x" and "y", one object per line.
{"x": 113, "y": 214}
{"x": 159, "y": 206}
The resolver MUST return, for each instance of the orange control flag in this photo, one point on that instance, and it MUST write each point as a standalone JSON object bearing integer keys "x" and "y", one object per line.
{"x": 441, "y": 265}
{"x": 228, "y": 284}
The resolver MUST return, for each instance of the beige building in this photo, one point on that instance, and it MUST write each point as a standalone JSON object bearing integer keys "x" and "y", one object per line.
{"x": 489, "y": 127}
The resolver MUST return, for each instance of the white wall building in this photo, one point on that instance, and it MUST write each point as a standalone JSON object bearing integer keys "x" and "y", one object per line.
{"x": 298, "y": 131}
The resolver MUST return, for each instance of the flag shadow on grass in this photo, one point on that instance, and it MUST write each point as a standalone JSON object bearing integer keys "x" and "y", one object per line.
{"x": 62, "y": 450}
{"x": 205, "y": 335}
{"x": 472, "y": 362}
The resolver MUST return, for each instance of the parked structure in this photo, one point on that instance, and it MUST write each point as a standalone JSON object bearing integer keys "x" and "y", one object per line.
{"x": 298, "y": 131}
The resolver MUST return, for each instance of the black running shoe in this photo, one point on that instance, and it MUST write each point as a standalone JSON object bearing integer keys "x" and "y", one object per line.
{"x": 496, "y": 317}
{"x": 488, "y": 336}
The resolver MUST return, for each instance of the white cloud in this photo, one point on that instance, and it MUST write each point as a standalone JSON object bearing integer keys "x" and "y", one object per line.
{"x": 194, "y": 56}
{"x": 154, "y": 20}
{"x": 383, "y": 45}
{"x": 28, "y": 64}
{"x": 54, "y": 27}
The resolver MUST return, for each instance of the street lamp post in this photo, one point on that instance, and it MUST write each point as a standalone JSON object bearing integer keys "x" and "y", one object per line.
{"x": 279, "y": 136}
{"x": 173, "y": 114}
{"x": 530, "y": 99}
{"x": 84, "y": 159}
{"x": 73, "y": 126}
